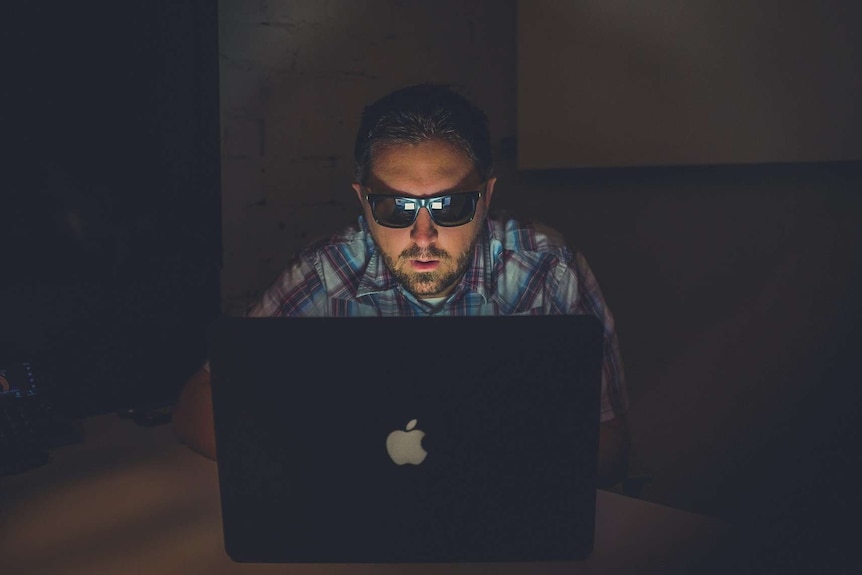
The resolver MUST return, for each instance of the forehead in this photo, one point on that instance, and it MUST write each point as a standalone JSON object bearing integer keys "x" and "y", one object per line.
{"x": 422, "y": 169}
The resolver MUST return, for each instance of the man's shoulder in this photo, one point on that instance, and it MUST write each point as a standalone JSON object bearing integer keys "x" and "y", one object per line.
{"x": 524, "y": 234}
{"x": 349, "y": 241}
{"x": 328, "y": 267}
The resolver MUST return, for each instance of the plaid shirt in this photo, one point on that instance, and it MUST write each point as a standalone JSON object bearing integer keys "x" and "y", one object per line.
{"x": 517, "y": 268}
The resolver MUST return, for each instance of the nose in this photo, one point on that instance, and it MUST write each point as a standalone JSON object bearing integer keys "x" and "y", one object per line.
{"x": 424, "y": 232}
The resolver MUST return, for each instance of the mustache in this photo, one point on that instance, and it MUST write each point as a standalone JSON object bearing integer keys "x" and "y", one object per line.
{"x": 429, "y": 253}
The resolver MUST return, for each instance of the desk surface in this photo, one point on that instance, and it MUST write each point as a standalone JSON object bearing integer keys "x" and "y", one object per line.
{"x": 131, "y": 499}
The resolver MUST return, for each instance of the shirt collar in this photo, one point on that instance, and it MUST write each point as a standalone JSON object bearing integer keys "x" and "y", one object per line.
{"x": 376, "y": 278}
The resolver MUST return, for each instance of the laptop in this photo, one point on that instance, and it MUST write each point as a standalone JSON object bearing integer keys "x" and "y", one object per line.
{"x": 407, "y": 440}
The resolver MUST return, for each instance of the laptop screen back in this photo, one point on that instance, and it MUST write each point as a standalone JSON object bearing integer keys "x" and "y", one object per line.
{"x": 317, "y": 420}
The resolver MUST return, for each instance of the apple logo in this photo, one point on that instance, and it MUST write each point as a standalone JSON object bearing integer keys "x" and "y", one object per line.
{"x": 406, "y": 446}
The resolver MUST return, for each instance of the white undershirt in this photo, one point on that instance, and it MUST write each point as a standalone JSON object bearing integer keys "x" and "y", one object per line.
{"x": 435, "y": 302}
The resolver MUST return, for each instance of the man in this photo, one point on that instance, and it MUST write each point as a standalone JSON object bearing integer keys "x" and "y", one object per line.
{"x": 427, "y": 244}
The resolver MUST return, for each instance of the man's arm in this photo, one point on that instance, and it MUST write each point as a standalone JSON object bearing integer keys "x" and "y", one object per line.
{"x": 614, "y": 448}
{"x": 193, "y": 415}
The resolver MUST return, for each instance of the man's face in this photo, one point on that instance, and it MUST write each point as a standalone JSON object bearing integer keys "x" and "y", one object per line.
{"x": 426, "y": 258}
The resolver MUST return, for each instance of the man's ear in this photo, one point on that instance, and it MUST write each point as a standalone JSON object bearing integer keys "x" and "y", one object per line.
{"x": 358, "y": 187}
{"x": 489, "y": 191}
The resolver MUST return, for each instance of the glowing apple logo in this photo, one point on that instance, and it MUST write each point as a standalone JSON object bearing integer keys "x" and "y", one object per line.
{"x": 406, "y": 446}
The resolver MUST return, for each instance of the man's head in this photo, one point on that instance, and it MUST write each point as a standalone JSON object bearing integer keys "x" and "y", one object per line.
{"x": 419, "y": 143}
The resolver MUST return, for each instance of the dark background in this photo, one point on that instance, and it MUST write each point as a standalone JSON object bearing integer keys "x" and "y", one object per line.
{"x": 110, "y": 205}
{"x": 735, "y": 288}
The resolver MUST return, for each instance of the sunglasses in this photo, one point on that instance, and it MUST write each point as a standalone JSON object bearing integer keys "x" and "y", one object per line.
{"x": 446, "y": 211}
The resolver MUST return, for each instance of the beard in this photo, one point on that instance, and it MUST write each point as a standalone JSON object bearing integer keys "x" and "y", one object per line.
{"x": 429, "y": 284}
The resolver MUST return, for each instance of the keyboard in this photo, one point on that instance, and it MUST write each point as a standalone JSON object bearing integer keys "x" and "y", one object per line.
{"x": 29, "y": 424}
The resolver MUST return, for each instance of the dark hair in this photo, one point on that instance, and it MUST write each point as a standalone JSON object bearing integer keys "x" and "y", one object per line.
{"x": 421, "y": 113}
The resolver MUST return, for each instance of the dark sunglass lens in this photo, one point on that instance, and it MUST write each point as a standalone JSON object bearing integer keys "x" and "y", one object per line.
{"x": 454, "y": 210}
{"x": 394, "y": 212}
